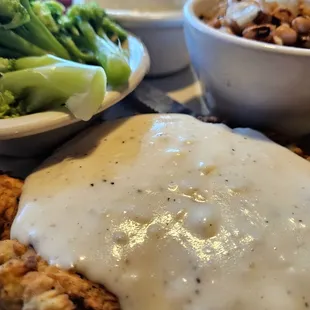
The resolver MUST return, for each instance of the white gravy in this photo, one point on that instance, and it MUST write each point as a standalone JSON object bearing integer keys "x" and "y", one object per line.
{"x": 170, "y": 213}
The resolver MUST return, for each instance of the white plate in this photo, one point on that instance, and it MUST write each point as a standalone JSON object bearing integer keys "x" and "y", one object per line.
{"x": 45, "y": 121}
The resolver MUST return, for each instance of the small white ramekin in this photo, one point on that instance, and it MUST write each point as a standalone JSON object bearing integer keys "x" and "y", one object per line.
{"x": 162, "y": 34}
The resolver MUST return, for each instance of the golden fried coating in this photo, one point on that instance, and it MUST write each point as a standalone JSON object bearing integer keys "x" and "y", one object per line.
{"x": 10, "y": 191}
{"x": 27, "y": 282}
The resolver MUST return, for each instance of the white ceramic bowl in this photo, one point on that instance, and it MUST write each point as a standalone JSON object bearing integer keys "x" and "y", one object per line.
{"x": 252, "y": 83}
{"x": 37, "y": 133}
{"x": 163, "y": 35}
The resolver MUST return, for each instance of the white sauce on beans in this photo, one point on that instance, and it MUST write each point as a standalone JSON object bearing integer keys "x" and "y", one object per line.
{"x": 170, "y": 213}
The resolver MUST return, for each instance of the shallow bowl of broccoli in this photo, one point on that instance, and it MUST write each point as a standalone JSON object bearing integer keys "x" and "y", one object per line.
{"x": 46, "y": 128}
{"x": 59, "y": 69}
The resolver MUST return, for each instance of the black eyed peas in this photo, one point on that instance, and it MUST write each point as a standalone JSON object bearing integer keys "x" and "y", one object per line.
{"x": 269, "y": 23}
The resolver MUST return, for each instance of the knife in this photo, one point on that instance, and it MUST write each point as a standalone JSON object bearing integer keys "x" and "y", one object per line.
{"x": 149, "y": 99}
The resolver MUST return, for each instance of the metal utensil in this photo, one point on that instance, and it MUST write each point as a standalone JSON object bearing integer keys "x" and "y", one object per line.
{"x": 149, "y": 99}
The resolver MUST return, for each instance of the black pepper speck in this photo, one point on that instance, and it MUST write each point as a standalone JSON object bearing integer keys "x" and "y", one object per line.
{"x": 306, "y": 305}
{"x": 112, "y": 183}
{"x": 91, "y": 184}
{"x": 198, "y": 280}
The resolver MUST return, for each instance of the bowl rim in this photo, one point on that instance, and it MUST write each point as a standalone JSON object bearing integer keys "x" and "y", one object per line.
{"x": 195, "y": 22}
{"x": 145, "y": 18}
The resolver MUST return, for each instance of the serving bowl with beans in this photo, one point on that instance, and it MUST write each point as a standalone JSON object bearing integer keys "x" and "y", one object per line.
{"x": 253, "y": 60}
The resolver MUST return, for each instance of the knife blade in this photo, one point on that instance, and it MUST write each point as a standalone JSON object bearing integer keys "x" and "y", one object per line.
{"x": 149, "y": 99}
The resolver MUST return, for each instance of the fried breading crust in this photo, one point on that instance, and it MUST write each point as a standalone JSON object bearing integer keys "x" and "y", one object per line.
{"x": 27, "y": 282}
{"x": 10, "y": 191}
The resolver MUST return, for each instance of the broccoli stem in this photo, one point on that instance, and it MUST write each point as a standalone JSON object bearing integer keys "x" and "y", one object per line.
{"x": 11, "y": 40}
{"x": 34, "y": 62}
{"x": 8, "y": 53}
{"x": 41, "y": 36}
{"x": 41, "y": 87}
{"x": 75, "y": 51}
{"x": 110, "y": 56}
{"x": 41, "y": 99}
{"x": 109, "y": 26}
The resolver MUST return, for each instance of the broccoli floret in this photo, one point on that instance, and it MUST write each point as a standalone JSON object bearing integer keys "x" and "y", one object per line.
{"x": 7, "y": 65}
{"x": 22, "y": 31}
{"x": 109, "y": 55}
{"x": 83, "y": 31}
{"x": 9, "y": 106}
{"x": 57, "y": 9}
{"x": 84, "y": 34}
{"x": 43, "y": 11}
{"x": 12, "y": 14}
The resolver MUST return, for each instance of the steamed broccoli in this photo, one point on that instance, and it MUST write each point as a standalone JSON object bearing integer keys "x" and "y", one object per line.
{"x": 22, "y": 31}
{"x": 84, "y": 32}
{"x": 109, "y": 55}
{"x": 38, "y": 84}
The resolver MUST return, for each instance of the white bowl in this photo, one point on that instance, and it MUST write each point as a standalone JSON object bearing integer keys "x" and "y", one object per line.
{"x": 252, "y": 83}
{"x": 43, "y": 131}
{"x": 163, "y": 35}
